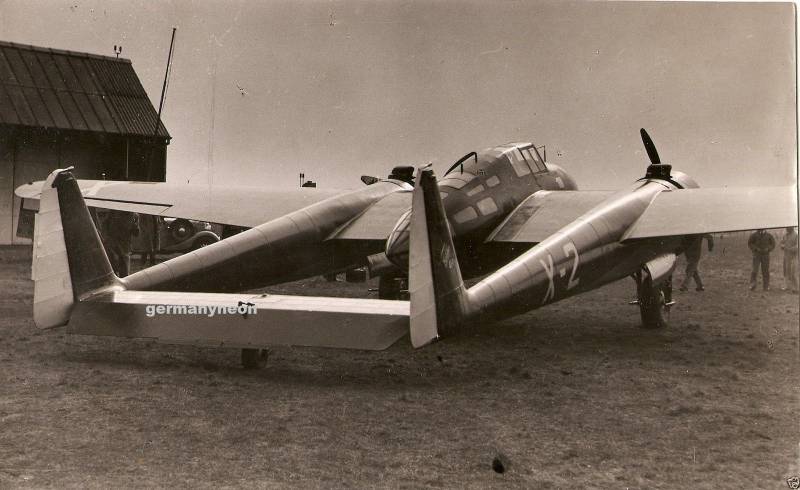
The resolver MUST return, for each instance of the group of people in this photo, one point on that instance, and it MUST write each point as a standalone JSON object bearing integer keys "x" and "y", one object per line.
{"x": 761, "y": 244}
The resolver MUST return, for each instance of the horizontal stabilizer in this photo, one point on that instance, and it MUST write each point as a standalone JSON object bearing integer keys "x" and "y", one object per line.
{"x": 211, "y": 319}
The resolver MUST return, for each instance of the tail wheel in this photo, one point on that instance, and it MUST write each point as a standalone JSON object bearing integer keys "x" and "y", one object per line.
{"x": 389, "y": 287}
{"x": 654, "y": 301}
{"x": 254, "y": 358}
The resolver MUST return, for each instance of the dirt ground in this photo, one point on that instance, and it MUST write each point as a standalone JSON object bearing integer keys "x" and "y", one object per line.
{"x": 574, "y": 395}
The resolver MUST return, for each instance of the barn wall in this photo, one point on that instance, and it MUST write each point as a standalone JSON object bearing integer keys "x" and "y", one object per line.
{"x": 30, "y": 155}
{"x": 36, "y": 155}
{"x": 6, "y": 188}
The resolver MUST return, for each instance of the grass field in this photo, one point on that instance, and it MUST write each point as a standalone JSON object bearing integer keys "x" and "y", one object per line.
{"x": 574, "y": 395}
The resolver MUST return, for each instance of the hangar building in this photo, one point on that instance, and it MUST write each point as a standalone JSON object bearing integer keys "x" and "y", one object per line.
{"x": 63, "y": 108}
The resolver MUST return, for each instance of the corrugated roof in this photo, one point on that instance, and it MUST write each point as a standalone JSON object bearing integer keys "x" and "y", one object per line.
{"x": 53, "y": 88}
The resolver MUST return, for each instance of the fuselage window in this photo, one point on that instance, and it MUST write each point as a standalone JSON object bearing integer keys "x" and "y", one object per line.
{"x": 492, "y": 181}
{"x": 466, "y": 214}
{"x": 487, "y": 206}
{"x": 478, "y": 188}
{"x": 518, "y": 163}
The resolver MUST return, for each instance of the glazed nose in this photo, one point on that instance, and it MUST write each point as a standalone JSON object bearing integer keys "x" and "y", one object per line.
{"x": 397, "y": 243}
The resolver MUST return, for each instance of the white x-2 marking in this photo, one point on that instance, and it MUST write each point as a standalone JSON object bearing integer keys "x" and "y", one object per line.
{"x": 569, "y": 249}
{"x": 551, "y": 290}
{"x": 573, "y": 281}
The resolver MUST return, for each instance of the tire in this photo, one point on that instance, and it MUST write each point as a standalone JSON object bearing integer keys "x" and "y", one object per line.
{"x": 254, "y": 358}
{"x": 389, "y": 287}
{"x": 654, "y": 303}
{"x": 181, "y": 229}
{"x": 203, "y": 241}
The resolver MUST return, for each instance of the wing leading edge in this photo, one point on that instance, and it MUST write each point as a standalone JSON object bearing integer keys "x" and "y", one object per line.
{"x": 672, "y": 213}
{"x": 239, "y": 206}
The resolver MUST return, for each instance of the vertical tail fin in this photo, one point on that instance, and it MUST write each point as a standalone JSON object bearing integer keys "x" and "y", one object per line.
{"x": 438, "y": 297}
{"x": 69, "y": 260}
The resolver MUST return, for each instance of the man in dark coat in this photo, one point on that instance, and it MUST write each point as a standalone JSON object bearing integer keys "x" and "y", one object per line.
{"x": 120, "y": 228}
{"x": 761, "y": 244}
{"x": 693, "y": 250}
{"x": 150, "y": 238}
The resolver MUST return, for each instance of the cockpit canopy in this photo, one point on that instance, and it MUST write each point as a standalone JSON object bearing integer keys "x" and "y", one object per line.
{"x": 524, "y": 158}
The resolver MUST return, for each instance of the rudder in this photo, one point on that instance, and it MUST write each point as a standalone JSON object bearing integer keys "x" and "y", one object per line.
{"x": 439, "y": 300}
{"x": 69, "y": 261}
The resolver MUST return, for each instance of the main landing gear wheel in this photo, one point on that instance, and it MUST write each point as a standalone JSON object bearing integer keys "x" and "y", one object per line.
{"x": 654, "y": 301}
{"x": 254, "y": 358}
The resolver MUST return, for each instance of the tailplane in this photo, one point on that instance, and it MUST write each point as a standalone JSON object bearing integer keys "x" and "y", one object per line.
{"x": 69, "y": 261}
{"x": 439, "y": 301}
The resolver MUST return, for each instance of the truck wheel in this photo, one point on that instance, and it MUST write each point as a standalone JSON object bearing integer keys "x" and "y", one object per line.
{"x": 254, "y": 358}
{"x": 181, "y": 229}
{"x": 203, "y": 241}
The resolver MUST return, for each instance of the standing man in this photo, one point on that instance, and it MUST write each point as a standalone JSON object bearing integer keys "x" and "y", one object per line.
{"x": 150, "y": 236}
{"x": 761, "y": 243}
{"x": 789, "y": 246}
{"x": 120, "y": 228}
{"x": 693, "y": 250}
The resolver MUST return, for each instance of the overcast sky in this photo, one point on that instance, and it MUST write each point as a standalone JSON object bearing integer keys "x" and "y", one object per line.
{"x": 338, "y": 89}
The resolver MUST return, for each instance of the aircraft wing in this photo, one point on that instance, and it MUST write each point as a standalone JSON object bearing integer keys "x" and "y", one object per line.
{"x": 378, "y": 220}
{"x": 678, "y": 212}
{"x": 711, "y": 210}
{"x": 544, "y": 213}
{"x": 239, "y": 206}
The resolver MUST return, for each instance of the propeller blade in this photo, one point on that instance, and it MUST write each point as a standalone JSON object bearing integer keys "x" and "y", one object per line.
{"x": 650, "y": 147}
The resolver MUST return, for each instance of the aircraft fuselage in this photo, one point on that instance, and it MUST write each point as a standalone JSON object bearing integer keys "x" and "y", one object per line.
{"x": 478, "y": 195}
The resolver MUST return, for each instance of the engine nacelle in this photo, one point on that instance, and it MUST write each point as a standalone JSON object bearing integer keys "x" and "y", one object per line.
{"x": 660, "y": 268}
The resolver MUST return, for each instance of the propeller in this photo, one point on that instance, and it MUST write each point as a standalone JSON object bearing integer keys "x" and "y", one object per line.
{"x": 650, "y": 147}
{"x": 656, "y": 169}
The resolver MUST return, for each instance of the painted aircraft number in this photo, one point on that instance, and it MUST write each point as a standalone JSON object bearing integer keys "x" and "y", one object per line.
{"x": 569, "y": 250}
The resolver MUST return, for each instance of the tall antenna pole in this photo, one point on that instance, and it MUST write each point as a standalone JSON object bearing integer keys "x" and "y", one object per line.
{"x": 161, "y": 103}
{"x": 166, "y": 79}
